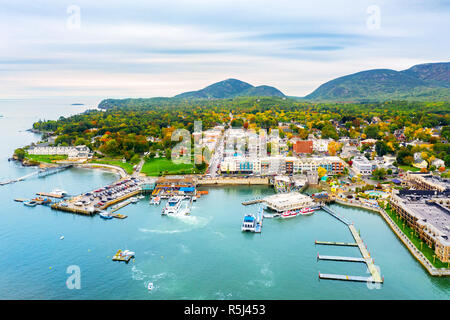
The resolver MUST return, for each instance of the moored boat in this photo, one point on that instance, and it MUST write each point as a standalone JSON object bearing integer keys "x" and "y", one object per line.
{"x": 106, "y": 215}
{"x": 155, "y": 200}
{"x": 30, "y": 203}
{"x": 173, "y": 206}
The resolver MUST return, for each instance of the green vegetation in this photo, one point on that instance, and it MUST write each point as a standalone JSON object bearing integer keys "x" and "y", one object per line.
{"x": 156, "y": 167}
{"x": 409, "y": 168}
{"x": 418, "y": 243}
{"x": 425, "y": 82}
{"x": 128, "y": 167}
{"x": 45, "y": 158}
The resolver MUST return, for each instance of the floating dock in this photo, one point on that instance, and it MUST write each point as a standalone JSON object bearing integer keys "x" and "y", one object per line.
{"x": 119, "y": 216}
{"x": 345, "y": 277}
{"x": 120, "y": 206}
{"x": 20, "y": 200}
{"x": 253, "y": 201}
{"x": 366, "y": 258}
{"x": 338, "y": 258}
{"x": 51, "y": 195}
{"x": 331, "y": 243}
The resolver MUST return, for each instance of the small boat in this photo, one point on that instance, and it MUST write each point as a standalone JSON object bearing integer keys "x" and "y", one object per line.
{"x": 30, "y": 203}
{"x": 106, "y": 215}
{"x": 155, "y": 200}
{"x": 306, "y": 211}
{"x": 128, "y": 253}
{"x": 61, "y": 238}
{"x": 134, "y": 200}
{"x": 40, "y": 200}
{"x": 252, "y": 223}
{"x": 140, "y": 197}
{"x": 194, "y": 198}
{"x": 59, "y": 192}
{"x": 150, "y": 286}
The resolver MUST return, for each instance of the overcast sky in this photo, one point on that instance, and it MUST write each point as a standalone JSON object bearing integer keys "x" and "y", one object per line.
{"x": 151, "y": 48}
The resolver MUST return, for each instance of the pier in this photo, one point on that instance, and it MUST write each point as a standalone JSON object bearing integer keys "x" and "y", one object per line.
{"x": 366, "y": 258}
{"x": 50, "y": 195}
{"x": 337, "y": 258}
{"x": 252, "y": 201}
{"x": 331, "y": 243}
{"x": 345, "y": 277}
{"x": 40, "y": 173}
{"x": 120, "y": 206}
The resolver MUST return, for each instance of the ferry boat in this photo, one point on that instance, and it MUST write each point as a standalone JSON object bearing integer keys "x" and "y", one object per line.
{"x": 106, "y": 215}
{"x": 252, "y": 223}
{"x": 173, "y": 206}
{"x": 155, "y": 200}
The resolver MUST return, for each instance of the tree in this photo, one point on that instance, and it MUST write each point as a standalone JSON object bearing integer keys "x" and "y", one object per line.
{"x": 20, "y": 154}
{"x": 321, "y": 171}
{"x": 379, "y": 174}
{"x": 381, "y": 148}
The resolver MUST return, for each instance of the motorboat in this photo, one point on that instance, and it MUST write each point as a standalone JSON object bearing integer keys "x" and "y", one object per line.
{"x": 155, "y": 200}
{"x": 106, "y": 215}
{"x": 173, "y": 206}
{"x": 30, "y": 203}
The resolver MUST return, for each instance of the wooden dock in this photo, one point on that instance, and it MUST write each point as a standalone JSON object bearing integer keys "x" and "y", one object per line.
{"x": 50, "y": 195}
{"x": 119, "y": 216}
{"x": 331, "y": 243}
{"x": 338, "y": 258}
{"x": 344, "y": 277}
{"x": 253, "y": 201}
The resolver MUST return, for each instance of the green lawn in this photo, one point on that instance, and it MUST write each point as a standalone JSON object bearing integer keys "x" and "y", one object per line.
{"x": 427, "y": 251}
{"x": 410, "y": 168}
{"x": 155, "y": 167}
{"x": 128, "y": 167}
{"x": 45, "y": 158}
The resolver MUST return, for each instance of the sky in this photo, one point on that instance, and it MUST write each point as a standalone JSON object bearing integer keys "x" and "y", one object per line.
{"x": 137, "y": 48}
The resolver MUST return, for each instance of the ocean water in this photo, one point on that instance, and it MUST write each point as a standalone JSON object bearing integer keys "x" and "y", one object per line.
{"x": 201, "y": 256}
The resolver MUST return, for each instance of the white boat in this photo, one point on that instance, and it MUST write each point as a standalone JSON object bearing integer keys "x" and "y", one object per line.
{"x": 150, "y": 286}
{"x": 134, "y": 200}
{"x": 128, "y": 253}
{"x": 106, "y": 215}
{"x": 252, "y": 223}
{"x": 59, "y": 192}
{"x": 155, "y": 200}
{"x": 296, "y": 212}
{"x": 173, "y": 206}
{"x": 194, "y": 198}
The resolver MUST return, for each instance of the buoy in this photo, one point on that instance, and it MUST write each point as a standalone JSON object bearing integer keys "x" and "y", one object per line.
{"x": 49, "y": 267}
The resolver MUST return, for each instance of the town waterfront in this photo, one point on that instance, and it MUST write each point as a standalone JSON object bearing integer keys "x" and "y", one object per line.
{"x": 202, "y": 256}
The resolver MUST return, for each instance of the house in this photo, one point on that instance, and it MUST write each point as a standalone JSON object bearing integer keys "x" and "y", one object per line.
{"x": 438, "y": 163}
{"x": 361, "y": 165}
{"x": 303, "y": 147}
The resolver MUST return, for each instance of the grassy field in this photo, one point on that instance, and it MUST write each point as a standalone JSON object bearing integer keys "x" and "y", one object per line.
{"x": 410, "y": 168}
{"x": 128, "y": 167}
{"x": 45, "y": 158}
{"x": 427, "y": 251}
{"x": 155, "y": 167}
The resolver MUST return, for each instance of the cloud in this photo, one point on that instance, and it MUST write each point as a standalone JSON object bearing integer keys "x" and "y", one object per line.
{"x": 150, "y": 48}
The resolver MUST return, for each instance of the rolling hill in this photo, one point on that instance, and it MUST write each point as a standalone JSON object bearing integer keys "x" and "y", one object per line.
{"x": 425, "y": 81}
{"x": 231, "y": 88}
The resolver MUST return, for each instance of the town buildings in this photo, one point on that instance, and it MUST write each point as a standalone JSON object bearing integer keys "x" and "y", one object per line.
{"x": 362, "y": 166}
{"x": 75, "y": 152}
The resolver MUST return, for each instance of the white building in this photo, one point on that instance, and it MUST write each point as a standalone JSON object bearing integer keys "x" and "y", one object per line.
{"x": 76, "y": 152}
{"x": 363, "y": 166}
{"x": 320, "y": 145}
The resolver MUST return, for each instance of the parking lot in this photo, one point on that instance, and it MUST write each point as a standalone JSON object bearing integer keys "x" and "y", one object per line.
{"x": 101, "y": 198}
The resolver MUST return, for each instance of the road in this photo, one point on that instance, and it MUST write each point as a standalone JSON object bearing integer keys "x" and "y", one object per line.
{"x": 216, "y": 159}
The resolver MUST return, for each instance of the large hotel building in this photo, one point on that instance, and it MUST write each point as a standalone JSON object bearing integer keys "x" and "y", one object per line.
{"x": 426, "y": 208}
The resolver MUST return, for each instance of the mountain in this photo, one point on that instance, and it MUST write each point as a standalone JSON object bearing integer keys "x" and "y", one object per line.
{"x": 231, "y": 88}
{"x": 425, "y": 81}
